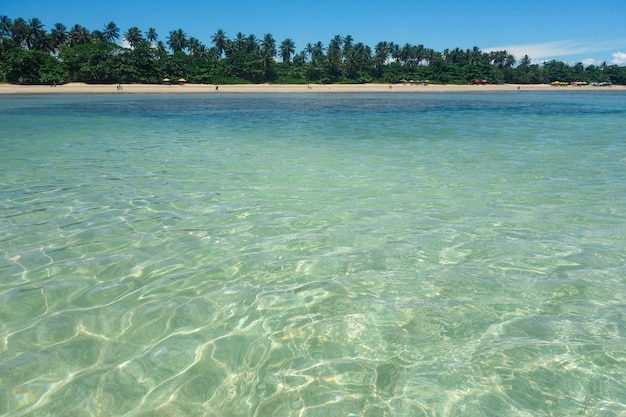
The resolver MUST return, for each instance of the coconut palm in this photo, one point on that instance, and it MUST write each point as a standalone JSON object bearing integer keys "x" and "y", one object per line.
{"x": 357, "y": 58}
{"x": 58, "y": 36}
{"x": 381, "y": 54}
{"x": 220, "y": 40}
{"x": 268, "y": 46}
{"x": 429, "y": 56}
{"x": 151, "y": 35}
{"x": 509, "y": 60}
{"x": 36, "y": 37}
{"x": 98, "y": 36}
{"x": 196, "y": 47}
{"x": 252, "y": 44}
{"x": 318, "y": 50}
{"x": 308, "y": 50}
{"x": 267, "y": 51}
{"x": 111, "y": 32}
{"x": 347, "y": 45}
{"x": 334, "y": 47}
{"x": 5, "y": 26}
{"x": 287, "y": 48}
{"x": 78, "y": 35}
{"x": 240, "y": 41}
{"x": 134, "y": 37}
{"x": 526, "y": 60}
{"x": 299, "y": 59}
{"x": 160, "y": 50}
{"x": 19, "y": 32}
{"x": 333, "y": 57}
{"x": 177, "y": 40}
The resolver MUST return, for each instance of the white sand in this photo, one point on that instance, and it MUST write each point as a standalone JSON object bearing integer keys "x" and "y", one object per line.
{"x": 80, "y": 88}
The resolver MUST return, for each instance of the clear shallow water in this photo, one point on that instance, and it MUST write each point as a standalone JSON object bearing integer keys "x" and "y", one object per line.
{"x": 313, "y": 255}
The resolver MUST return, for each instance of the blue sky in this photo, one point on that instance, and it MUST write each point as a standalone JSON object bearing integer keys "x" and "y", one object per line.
{"x": 570, "y": 31}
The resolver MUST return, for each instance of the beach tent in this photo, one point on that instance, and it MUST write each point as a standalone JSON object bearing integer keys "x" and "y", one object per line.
{"x": 166, "y": 80}
{"x": 182, "y": 81}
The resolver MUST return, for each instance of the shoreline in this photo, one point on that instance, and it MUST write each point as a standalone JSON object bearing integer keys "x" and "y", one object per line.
{"x": 81, "y": 88}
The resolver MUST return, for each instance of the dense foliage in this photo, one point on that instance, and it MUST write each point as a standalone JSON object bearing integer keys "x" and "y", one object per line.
{"x": 31, "y": 55}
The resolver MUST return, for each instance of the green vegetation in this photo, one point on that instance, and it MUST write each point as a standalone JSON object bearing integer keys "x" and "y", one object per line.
{"x": 31, "y": 55}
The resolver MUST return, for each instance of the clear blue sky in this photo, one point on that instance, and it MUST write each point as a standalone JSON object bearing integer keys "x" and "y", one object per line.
{"x": 570, "y": 31}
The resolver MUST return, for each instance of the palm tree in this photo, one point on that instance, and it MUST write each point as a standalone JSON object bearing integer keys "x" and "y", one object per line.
{"x": 308, "y": 50}
{"x": 318, "y": 50}
{"x": 58, "y": 36}
{"x": 134, "y": 37}
{"x": 252, "y": 44}
{"x": 456, "y": 56}
{"x": 111, "y": 32}
{"x": 475, "y": 56}
{"x": 347, "y": 45}
{"x": 429, "y": 55}
{"x": 19, "y": 32}
{"x": 299, "y": 59}
{"x": 177, "y": 40}
{"x": 214, "y": 54}
{"x": 509, "y": 60}
{"x": 196, "y": 47}
{"x": 268, "y": 51}
{"x": 151, "y": 35}
{"x": 334, "y": 48}
{"x": 381, "y": 54}
{"x": 78, "y": 35}
{"x": 36, "y": 37}
{"x": 333, "y": 57}
{"x": 5, "y": 26}
{"x": 161, "y": 52}
{"x": 335, "y": 42}
{"x": 98, "y": 36}
{"x": 219, "y": 39}
{"x": 240, "y": 41}
{"x": 268, "y": 46}
{"x": 357, "y": 58}
{"x": 287, "y": 47}
{"x": 525, "y": 60}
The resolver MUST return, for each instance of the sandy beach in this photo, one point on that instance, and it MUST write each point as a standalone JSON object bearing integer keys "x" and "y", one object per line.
{"x": 81, "y": 88}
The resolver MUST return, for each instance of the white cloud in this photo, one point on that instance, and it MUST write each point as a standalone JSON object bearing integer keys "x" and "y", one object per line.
{"x": 543, "y": 51}
{"x": 619, "y": 58}
{"x": 589, "y": 61}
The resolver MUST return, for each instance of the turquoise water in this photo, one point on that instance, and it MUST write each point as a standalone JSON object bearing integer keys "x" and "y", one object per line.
{"x": 313, "y": 255}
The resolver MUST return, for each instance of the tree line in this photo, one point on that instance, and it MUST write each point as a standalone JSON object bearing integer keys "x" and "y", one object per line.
{"x": 31, "y": 55}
